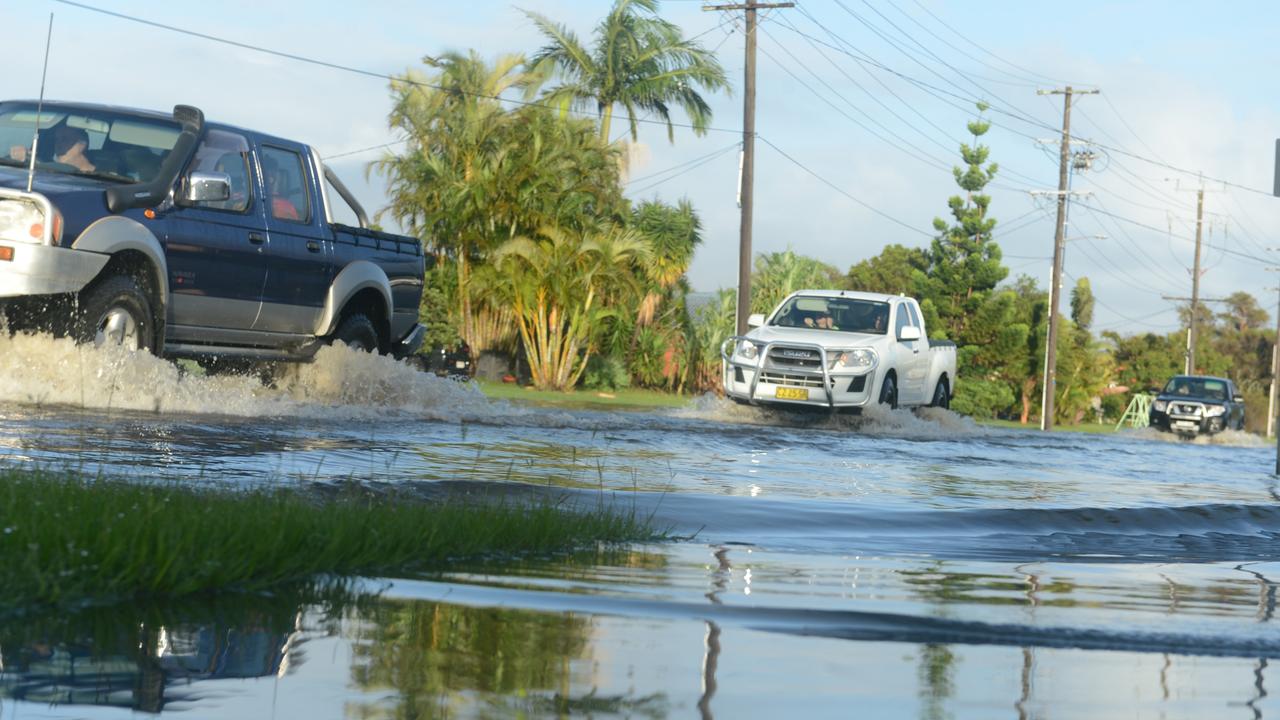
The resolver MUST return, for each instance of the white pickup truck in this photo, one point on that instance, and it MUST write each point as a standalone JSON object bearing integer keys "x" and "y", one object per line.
{"x": 840, "y": 349}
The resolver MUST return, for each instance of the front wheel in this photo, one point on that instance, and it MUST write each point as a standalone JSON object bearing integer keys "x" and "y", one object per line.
{"x": 941, "y": 395}
{"x": 117, "y": 312}
{"x": 889, "y": 392}
{"x": 357, "y": 332}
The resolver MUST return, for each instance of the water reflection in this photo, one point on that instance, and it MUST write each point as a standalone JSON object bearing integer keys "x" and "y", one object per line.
{"x": 441, "y": 660}
{"x": 145, "y": 659}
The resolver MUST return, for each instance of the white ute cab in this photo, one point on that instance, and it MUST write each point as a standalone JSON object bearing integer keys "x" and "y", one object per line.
{"x": 840, "y": 349}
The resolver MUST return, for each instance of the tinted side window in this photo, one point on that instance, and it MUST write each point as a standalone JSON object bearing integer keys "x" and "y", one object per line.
{"x": 287, "y": 195}
{"x": 226, "y": 153}
{"x": 915, "y": 316}
{"x": 903, "y": 319}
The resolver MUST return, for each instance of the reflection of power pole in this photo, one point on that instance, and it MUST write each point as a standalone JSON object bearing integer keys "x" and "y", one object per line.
{"x": 748, "y": 153}
{"x": 711, "y": 656}
{"x": 1055, "y": 281}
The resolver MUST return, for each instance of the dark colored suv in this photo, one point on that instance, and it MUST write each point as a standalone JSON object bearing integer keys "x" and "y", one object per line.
{"x": 1196, "y": 404}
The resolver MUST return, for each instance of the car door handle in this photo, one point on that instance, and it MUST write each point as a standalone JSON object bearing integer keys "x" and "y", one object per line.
{"x": 313, "y": 246}
{"x": 257, "y": 238}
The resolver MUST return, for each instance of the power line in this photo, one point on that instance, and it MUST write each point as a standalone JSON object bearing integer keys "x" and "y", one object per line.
{"x": 1235, "y": 253}
{"x": 843, "y": 192}
{"x": 1113, "y": 311}
{"x": 1025, "y": 82}
{"x": 923, "y": 156}
{"x": 347, "y": 68}
{"x": 998, "y": 109}
{"x": 815, "y": 45}
{"x": 678, "y": 170}
{"x": 974, "y": 43}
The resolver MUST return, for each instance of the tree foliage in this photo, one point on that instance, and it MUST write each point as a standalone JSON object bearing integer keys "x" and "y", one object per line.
{"x": 893, "y": 271}
{"x": 964, "y": 263}
{"x": 638, "y": 60}
{"x": 561, "y": 284}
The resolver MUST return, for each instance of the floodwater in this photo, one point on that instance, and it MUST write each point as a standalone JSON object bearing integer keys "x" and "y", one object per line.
{"x": 892, "y": 566}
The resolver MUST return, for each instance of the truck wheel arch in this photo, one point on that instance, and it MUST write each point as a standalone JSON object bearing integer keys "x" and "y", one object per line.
{"x": 135, "y": 252}
{"x": 363, "y": 283}
{"x": 122, "y": 237}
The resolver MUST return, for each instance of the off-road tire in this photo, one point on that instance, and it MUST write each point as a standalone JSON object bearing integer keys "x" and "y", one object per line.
{"x": 889, "y": 392}
{"x": 941, "y": 395}
{"x": 357, "y": 332}
{"x": 115, "y": 310}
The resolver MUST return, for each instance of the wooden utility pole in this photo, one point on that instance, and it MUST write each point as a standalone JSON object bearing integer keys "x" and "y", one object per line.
{"x": 748, "y": 153}
{"x": 1059, "y": 241}
{"x": 1195, "y": 288}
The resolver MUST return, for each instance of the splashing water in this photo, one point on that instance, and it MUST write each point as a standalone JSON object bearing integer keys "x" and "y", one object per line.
{"x": 340, "y": 383}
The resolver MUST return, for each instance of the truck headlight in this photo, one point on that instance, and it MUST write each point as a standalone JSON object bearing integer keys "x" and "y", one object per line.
{"x": 1159, "y": 405}
{"x": 24, "y": 221}
{"x": 1214, "y": 410}
{"x": 747, "y": 349}
{"x": 857, "y": 359}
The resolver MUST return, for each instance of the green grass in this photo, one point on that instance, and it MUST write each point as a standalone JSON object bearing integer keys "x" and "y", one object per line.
{"x": 68, "y": 540}
{"x": 1094, "y": 428}
{"x": 585, "y": 399}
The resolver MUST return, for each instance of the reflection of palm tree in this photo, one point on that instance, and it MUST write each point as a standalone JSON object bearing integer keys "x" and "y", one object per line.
{"x": 639, "y": 61}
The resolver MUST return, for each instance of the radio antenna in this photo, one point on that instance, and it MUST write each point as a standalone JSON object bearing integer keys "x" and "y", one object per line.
{"x": 35, "y": 140}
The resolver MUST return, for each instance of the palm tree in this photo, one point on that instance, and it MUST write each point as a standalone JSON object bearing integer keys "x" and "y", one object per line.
{"x": 779, "y": 274}
{"x": 441, "y": 188}
{"x": 474, "y": 174}
{"x": 561, "y": 285}
{"x": 639, "y": 61}
{"x": 673, "y": 232}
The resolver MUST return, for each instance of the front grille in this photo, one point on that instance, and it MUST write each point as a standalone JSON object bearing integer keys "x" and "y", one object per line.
{"x": 795, "y": 357}
{"x": 808, "y": 381}
{"x": 1185, "y": 409}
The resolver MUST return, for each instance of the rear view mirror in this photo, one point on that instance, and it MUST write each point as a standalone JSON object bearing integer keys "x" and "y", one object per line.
{"x": 207, "y": 187}
{"x": 908, "y": 333}
{"x": 755, "y": 320}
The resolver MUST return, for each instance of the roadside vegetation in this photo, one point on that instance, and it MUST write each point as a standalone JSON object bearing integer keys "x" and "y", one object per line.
{"x": 68, "y": 540}
{"x": 542, "y": 259}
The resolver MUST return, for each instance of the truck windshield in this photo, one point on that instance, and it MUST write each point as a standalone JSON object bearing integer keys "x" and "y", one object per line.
{"x": 86, "y": 141}
{"x": 834, "y": 313}
{"x": 1197, "y": 387}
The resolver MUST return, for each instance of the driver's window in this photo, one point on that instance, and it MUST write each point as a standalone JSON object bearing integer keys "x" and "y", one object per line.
{"x": 226, "y": 153}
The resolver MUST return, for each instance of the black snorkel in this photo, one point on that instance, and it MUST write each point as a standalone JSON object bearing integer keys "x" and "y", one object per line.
{"x": 149, "y": 194}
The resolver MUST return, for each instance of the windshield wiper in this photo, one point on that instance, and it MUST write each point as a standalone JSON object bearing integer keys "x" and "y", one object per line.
{"x": 108, "y": 176}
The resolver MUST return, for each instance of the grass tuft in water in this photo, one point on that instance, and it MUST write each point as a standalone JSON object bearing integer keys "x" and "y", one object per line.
{"x": 70, "y": 540}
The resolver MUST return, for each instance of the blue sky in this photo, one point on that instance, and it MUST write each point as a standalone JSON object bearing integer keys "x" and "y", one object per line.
{"x": 1190, "y": 84}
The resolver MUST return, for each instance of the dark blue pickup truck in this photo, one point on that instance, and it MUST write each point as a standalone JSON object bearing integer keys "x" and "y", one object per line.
{"x": 186, "y": 238}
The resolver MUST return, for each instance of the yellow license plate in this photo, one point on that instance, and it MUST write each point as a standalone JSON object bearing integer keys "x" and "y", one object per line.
{"x": 790, "y": 393}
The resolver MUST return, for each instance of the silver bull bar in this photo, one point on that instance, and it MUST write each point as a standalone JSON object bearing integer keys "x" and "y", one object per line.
{"x": 763, "y": 354}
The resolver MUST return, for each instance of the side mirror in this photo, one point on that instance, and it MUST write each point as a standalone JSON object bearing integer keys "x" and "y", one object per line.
{"x": 207, "y": 187}
{"x": 755, "y": 320}
{"x": 910, "y": 332}
{"x": 1237, "y": 398}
